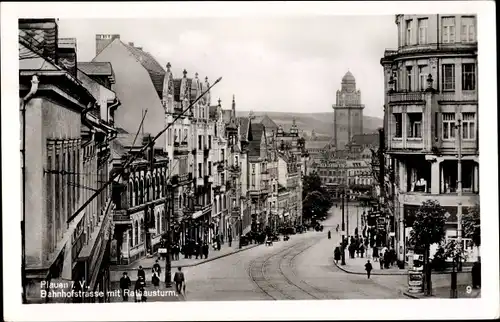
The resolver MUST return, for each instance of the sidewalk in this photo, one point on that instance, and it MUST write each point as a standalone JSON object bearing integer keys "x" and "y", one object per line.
{"x": 357, "y": 266}
{"x": 444, "y": 293}
{"x": 147, "y": 262}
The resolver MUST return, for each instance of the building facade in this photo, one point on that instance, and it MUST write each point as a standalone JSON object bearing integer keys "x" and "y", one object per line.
{"x": 431, "y": 117}
{"x": 65, "y": 153}
{"x": 348, "y": 112}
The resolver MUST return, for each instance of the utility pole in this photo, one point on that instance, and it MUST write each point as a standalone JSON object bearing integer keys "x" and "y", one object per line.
{"x": 459, "y": 192}
{"x": 169, "y": 211}
{"x": 343, "y": 229}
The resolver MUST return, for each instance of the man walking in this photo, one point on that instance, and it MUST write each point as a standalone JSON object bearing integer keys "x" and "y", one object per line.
{"x": 125, "y": 284}
{"x": 368, "y": 268}
{"x": 179, "y": 280}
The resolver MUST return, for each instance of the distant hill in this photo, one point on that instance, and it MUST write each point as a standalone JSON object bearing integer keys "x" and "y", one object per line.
{"x": 322, "y": 123}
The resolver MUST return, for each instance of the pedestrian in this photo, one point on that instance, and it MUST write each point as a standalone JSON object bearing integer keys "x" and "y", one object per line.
{"x": 387, "y": 259}
{"x": 141, "y": 273}
{"x": 368, "y": 268}
{"x": 125, "y": 284}
{"x": 200, "y": 249}
{"x": 329, "y": 235}
{"x": 155, "y": 280}
{"x": 336, "y": 254}
{"x": 179, "y": 280}
{"x": 157, "y": 268}
{"x": 375, "y": 253}
{"x": 205, "y": 250}
{"x": 218, "y": 242}
{"x": 140, "y": 286}
{"x": 381, "y": 261}
{"x": 230, "y": 240}
{"x": 337, "y": 228}
{"x": 362, "y": 250}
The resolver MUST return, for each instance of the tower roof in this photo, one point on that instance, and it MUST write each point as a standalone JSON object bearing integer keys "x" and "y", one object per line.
{"x": 348, "y": 78}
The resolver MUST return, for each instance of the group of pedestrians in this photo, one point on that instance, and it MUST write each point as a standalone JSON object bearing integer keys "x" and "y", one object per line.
{"x": 387, "y": 257}
{"x": 193, "y": 248}
{"x": 357, "y": 247}
{"x": 140, "y": 284}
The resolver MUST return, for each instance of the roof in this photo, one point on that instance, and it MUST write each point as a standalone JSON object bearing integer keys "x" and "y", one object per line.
{"x": 365, "y": 139}
{"x": 244, "y": 124}
{"x": 348, "y": 78}
{"x": 258, "y": 131}
{"x": 226, "y": 116}
{"x": 96, "y": 68}
{"x": 268, "y": 123}
{"x": 316, "y": 144}
{"x": 43, "y": 38}
{"x": 155, "y": 71}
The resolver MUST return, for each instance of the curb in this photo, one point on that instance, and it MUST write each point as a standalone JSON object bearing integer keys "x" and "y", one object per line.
{"x": 121, "y": 268}
{"x": 401, "y": 272}
{"x": 405, "y": 293}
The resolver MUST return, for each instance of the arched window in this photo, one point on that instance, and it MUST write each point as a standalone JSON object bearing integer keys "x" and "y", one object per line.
{"x": 180, "y": 201}
{"x": 153, "y": 188}
{"x": 130, "y": 193}
{"x": 158, "y": 187}
{"x": 136, "y": 233}
{"x": 162, "y": 220}
{"x": 141, "y": 191}
{"x": 136, "y": 192}
{"x": 146, "y": 189}
{"x": 141, "y": 229}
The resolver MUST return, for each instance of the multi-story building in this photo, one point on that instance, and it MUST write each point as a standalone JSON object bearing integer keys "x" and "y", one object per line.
{"x": 246, "y": 209}
{"x": 291, "y": 147}
{"x": 348, "y": 112}
{"x": 64, "y": 156}
{"x": 139, "y": 197}
{"x": 431, "y": 116}
{"x": 259, "y": 185}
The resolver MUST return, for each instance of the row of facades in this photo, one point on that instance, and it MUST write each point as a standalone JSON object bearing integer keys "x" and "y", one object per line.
{"x": 211, "y": 173}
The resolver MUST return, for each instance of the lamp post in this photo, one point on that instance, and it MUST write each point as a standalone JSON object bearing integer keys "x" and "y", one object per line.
{"x": 343, "y": 230}
{"x": 459, "y": 191}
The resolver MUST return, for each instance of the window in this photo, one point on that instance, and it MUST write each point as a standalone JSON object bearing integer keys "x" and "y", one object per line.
{"x": 448, "y": 126}
{"x": 409, "y": 74}
{"x": 422, "y": 31}
{"x": 448, "y": 29}
{"x": 448, "y": 77}
{"x": 398, "y": 122}
{"x": 468, "y": 77}
{"x": 422, "y": 77}
{"x": 414, "y": 125}
{"x": 468, "y": 126}
{"x": 185, "y": 138}
{"x": 209, "y": 141}
{"x": 409, "y": 24}
{"x": 209, "y": 168}
{"x": 468, "y": 31}
{"x": 200, "y": 142}
{"x": 199, "y": 170}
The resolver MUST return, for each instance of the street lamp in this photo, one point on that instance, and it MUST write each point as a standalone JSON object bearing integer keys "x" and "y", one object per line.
{"x": 343, "y": 231}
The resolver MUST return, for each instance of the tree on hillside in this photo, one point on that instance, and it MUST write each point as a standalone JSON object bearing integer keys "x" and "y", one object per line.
{"x": 428, "y": 228}
{"x": 471, "y": 226}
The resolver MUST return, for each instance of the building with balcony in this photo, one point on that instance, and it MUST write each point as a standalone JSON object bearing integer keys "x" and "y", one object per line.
{"x": 348, "y": 112}
{"x": 259, "y": 180}
{"x": 65, "y": 155}
{"x": 245, "y": 134}
{"x": 431, "y": 116}
{"x": 139, "y": 216}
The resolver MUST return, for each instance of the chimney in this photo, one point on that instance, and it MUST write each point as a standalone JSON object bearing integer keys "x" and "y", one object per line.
{"x": 131, "y": 44}
{"x": 101, "y": 41}
{"x": 42, "y": 36}
{"x": 67, "y": 54}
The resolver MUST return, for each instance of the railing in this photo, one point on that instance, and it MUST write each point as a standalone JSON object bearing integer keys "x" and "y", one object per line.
{"x": 458, "y": 96}
{"x": 407, "y": 97}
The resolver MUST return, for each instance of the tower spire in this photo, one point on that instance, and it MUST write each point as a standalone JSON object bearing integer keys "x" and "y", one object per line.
{"x": 233, "y": 107}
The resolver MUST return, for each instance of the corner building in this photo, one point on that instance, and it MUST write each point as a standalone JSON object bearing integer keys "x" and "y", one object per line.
{"x": 431, "y": 112}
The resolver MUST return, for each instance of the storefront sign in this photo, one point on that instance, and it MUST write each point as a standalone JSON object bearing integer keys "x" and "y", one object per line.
{"x": 162, "y": 250}
{"x": 415, "y": 281}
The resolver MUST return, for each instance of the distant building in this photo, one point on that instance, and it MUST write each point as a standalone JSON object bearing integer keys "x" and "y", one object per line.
{"x": 348, "y": 112}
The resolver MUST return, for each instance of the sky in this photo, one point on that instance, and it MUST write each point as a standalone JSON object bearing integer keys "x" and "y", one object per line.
{"x": 282, "y": 64}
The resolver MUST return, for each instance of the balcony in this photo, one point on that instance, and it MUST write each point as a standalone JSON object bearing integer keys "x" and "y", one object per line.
{"x": 458, "y": 96}
{"x": 121, "y": 217}
{"x": 203, "y": 208}
{"x": 407, "y": 98}
{"x": 181, "y": 148}
{"x": 200, "y": 182}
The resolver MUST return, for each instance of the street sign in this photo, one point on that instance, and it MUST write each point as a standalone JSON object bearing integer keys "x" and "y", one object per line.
{"x": 162, "y": 250}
